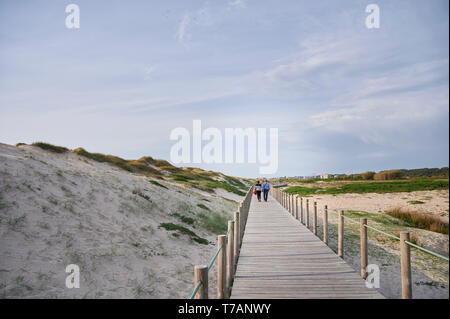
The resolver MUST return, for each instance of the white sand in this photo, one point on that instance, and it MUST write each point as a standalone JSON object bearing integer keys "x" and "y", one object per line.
{"x": 59, "y": 209}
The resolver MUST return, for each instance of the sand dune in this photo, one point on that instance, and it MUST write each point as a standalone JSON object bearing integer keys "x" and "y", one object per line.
{"x": 60, "y": 209}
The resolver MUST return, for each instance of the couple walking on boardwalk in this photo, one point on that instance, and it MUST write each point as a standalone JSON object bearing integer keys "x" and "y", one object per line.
{"x": 265, "y": 187}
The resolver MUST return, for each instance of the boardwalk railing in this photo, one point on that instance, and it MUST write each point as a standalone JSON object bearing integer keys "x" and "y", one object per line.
{"x": 291, "y": 204}
{"x": 227, "y": 255}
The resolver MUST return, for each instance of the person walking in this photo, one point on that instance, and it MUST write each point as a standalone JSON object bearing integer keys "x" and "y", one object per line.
{"x": 258, "y": 189}
{"x": 266, "y": 188}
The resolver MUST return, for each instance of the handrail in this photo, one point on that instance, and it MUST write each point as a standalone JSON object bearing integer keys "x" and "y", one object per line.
{"x": 382, "y": 232}
{"x": 240, "y": 221}
{"x": 196, "y": 289}
{"x": 426, "y": 250}
{"x": 287, "y": 201}
{"x": 211, "y": 263}
{"x": 397, "y": 238}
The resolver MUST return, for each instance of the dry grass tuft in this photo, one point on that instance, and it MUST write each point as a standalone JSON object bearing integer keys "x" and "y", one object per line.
{"x": 420, "y": 220}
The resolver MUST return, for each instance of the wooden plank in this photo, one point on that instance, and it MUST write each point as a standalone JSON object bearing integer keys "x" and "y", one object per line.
{"x": 281, "y": 258}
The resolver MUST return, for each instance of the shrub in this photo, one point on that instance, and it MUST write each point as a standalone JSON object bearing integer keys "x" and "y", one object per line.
{"x": 50, "y": 147}
{"x": 368, "y": 175}
{"x": 214, "y": 222}
{"x": 420, "y": 220}
{"x": 184, "y": 230}
{"x": 157, "y": 184}
{"x": 388, "y": 175}
{"x": 184, "y": 219}
{"x": 203, "y": 206}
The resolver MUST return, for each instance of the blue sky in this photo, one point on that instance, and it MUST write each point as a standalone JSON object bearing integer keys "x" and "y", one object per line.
{"x": 344, "y": 98}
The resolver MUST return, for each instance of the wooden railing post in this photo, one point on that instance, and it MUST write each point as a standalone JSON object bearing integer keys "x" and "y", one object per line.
{"x": 290, "y": 204}
{"x": 341, "y": 234}
{"x": 315, "y": 219}
{"x": 405, "y": 259}
{"x": 221, "y": 267}
{"x": 230, "y": 257}
{"x": 296, "y": 207}
{"x": 307, "y": 213}
{"x": 363, "y": 239}
{"x": 201, "y": 274}
{"x": 293, "y": 205}
{"x": 301, "y": 211}
{"x": 325, "y": 225}
{"x": 237, "y": 232}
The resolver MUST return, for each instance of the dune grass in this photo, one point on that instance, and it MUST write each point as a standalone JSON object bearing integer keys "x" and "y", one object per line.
{"x": 184, "y": 219}
{"x": 420, "y": 220}
{"x": 214, "y": 222}
{"x": 184, "y": 230}
{"x": 203, "y": 206}
{"x": 416, "y": 202}
{"x": 194, "y": 177}
{"x": 157, "y": 184}
{"x": 50, "y": 147}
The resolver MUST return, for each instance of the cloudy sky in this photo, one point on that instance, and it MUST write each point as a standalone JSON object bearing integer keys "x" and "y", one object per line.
{"x": 344, "y": 98}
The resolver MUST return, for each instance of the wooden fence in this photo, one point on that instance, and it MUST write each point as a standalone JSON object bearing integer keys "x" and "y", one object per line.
{"x": 291, "y": 204}
{"x": 227, "y": 255}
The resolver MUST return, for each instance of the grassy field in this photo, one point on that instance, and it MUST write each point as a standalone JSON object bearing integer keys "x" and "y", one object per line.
{"x": 372, "y": 187}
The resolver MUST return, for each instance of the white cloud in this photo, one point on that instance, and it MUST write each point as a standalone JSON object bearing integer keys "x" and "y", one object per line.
{"x": 149, "y": 71}
{"x": 182, "y": 33}
{"x": 237, "y": 4}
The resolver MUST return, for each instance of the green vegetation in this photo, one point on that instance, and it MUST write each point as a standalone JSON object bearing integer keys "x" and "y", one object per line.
{"x": 230, "y": 188}
{"x": 395, "y": 174}
{"x": 203, "y": 206}
{"x": 19, "y": 144}
{"x": 208, "y": 181}
{"x": 184, "y": 230}
{"x": 373, "y": 187}
{"x": 184, "y": 219}
{"x": 388, "y": 223}
{"x": 50, "y": 147}
{"x": 157, "y": 184}
{"x": 136, "y": 166}
{"x": 194, "y": 177}
{"x": 415, "y": 202}
{"x": 388, "y": 175}
{"x": 214, "y": 222}
{"x": 368, "y": 175}
{"x": 420, "y": 220}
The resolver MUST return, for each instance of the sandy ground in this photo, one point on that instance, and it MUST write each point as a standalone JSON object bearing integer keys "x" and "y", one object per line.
{"x": 434, "y": 202}
{"x": 61, "y": 209}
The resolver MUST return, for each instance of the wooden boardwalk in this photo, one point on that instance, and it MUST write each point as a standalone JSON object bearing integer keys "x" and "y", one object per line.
{"x": 281, "y": 258}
